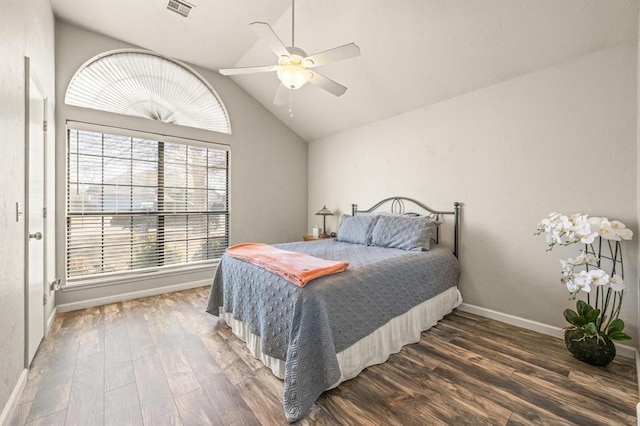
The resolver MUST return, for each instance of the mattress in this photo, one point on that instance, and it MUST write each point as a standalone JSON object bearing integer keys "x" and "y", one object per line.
{"x": 373, "y": 349}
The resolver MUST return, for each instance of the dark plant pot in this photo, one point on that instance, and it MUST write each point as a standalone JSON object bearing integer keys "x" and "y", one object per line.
{"x": 595, "y": 350}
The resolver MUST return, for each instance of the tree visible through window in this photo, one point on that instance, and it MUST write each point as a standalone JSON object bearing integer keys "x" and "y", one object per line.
{"x": 137, "y": 203}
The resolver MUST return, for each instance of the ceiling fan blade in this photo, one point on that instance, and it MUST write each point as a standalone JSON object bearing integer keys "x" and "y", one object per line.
{"x": 248, "y": 70}
{"x": 266, "y": 34}
{"x": 281, "y": 95}
{"x": 327, "y": 84}
{"x": 332, "y": 55}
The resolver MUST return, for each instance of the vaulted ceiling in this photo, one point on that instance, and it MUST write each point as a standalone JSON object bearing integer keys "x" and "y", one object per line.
{"x": 414, "y": 52}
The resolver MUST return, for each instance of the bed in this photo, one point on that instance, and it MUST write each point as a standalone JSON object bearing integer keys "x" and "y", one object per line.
{"x": 402, "y": 278}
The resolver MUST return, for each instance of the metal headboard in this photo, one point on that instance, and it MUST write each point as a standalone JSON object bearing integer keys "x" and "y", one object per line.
{"x": 397, "y": 206}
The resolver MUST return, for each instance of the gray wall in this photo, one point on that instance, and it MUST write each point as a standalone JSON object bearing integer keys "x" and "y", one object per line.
{"x": 561, "y": 139}
{"x": 268, "y": 170}
{"x": 26, "y": 29}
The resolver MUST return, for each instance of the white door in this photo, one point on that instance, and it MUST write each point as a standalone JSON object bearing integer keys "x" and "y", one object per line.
{"x": 35, "y": 227}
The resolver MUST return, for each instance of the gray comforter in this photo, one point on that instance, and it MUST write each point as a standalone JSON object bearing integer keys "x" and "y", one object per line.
{"x": 307, "y": 326}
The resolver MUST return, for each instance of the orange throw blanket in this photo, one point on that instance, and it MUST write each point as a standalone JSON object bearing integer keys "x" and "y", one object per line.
{"x": 298, "y": 268}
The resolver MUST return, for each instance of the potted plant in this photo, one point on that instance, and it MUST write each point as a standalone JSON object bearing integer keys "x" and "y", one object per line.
{"x": 598, "y": 272}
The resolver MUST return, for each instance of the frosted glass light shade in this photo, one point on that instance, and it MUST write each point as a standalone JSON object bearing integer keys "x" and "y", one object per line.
{"x": 144, "y": 84}
{"x": 293, "y": 77}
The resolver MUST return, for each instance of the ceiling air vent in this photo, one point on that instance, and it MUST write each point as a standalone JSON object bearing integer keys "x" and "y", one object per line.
{"x": 180, "y": 7}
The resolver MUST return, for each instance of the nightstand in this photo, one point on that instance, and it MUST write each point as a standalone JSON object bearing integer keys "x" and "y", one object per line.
{"x": 312, "y": 238}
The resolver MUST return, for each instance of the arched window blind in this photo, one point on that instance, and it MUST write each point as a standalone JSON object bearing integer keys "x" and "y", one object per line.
{"x": 144, "y": 84}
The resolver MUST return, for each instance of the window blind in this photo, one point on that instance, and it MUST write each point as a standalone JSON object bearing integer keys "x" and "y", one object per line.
{"x": 136, "y": 202}
{"x": 145, "y": 84}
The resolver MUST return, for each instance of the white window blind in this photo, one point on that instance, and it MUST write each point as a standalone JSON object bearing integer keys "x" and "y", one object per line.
{"x": 137, "y": 201}
{"x": 145, "y": 84}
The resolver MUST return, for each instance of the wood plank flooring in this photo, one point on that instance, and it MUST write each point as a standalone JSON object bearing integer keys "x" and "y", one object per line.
{"x": 163, "y": 361}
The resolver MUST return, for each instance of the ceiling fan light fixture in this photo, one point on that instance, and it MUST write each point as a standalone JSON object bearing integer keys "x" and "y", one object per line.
{"x": 294, "y": 76}
{"x": 294, "y": 64}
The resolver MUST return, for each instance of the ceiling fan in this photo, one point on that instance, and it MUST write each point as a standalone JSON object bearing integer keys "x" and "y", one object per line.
{"x": 294, "y": 68}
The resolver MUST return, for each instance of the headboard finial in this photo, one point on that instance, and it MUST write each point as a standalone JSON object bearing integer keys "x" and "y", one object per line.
{"x": 456, "y": 228}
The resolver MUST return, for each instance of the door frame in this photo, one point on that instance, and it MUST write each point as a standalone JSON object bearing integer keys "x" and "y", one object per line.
{"x": 30, "y": 77}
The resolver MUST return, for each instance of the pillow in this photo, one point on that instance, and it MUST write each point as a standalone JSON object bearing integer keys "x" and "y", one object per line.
{"x": 356, "y": 229}
{"x": 431, "y": 216}
{"x": 404, "y": 232}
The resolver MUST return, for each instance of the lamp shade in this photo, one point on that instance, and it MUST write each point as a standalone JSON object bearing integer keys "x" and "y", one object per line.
{"x": 293, "y": 76}
{"x": 324, "y": 211}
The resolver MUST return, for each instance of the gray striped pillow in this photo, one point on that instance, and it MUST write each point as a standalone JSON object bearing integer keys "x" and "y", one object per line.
{"x": 356, "y": 229}
{"x": 404, "y": 232}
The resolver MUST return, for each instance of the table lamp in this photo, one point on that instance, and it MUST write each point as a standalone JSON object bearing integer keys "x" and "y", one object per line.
{"x": 324, "y": 212}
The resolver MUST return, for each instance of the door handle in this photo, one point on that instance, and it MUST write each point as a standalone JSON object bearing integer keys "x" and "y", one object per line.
{"x": 37, "y": 236}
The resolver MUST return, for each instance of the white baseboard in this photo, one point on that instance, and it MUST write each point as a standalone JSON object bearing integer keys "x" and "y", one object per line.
{"x": 50, "y": 320}
{"x": 90, "y": 303}
{"x": 10, "y": 407}
{"x": 638, "y": 373}
{"x": 622, "y": 350}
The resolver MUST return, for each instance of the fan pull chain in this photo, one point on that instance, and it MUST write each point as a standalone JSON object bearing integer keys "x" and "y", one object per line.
{"x": 290, "y": 103}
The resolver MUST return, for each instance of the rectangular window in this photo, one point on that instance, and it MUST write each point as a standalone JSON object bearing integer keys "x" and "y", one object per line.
{"x": 138, "y": 201}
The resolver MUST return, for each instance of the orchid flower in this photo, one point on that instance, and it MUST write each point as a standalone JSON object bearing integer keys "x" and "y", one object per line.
{"x": 582, "y": 281}
{"x": 617, "y": 283}
{"x": 598, "y": 277}
{"x": 604, "y": 229}
{"x": 572, "y": 287}
{"x": 622, "y": 231}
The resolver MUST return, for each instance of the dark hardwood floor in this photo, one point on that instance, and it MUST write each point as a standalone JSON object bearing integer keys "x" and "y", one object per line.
{"x": 162, "y": 360}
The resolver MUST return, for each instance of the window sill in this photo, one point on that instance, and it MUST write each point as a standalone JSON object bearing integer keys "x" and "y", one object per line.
{"x": 126, "y": 278}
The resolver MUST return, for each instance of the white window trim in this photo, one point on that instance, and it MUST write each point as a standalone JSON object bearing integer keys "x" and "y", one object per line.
{"x": 123, "y": 277}
{"x": 121, "y": 131}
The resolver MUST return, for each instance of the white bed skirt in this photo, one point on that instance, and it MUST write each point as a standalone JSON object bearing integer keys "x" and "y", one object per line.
{"x": 372, "y": 349}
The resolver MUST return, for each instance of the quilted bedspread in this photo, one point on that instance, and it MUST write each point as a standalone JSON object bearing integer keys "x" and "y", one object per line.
{"x": 306, "y": 327}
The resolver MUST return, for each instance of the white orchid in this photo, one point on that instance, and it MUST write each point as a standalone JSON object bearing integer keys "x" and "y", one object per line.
{"x": 598, "y": 277}
{"x": 573, "y": 288}
{"x": 614, "y": 230}
{"x": 617, "y": 283}
{"x": 553, "y": 238}
{"x": 602, "y": 226}
{"x": 622, "y": 231}
{"x": 554, "y": 227}
{"x": 548, "y": 224}
{"x": 583, "y": 258}
{"x": 566, "y": 230}
{"x": 588, "y": 258}
{"x": 586, "y": 272}
{"x": 582, "y": 280}
{"x": 582, "y": 230}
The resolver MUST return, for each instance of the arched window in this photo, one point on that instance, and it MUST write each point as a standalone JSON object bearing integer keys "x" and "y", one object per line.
{"x": 139, "y": 202}
{"x": 144, "y": 84}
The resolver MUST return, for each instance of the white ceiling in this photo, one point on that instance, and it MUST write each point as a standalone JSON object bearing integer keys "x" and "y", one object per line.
{"x": 414, "y": 52}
